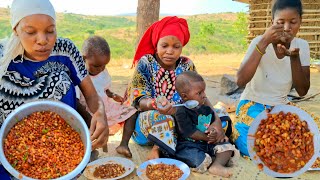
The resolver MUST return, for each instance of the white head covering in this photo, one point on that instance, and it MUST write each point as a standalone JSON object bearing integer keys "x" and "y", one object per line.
{"x": 24, "y": 8}
{"x": 19, "y": 10}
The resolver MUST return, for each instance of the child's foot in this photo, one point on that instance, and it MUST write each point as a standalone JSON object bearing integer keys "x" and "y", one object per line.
{"x": 124, "y": 150}
{"x": 219, "y": 170}
{"x": 234, "y": 159}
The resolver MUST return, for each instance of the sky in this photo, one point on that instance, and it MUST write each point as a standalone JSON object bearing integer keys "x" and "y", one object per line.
{"x": 118, "y": 7}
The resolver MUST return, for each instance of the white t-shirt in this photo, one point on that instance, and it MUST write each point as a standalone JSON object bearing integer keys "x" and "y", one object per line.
{"x": 101, "y": 83}
{"x": 272, "y": 81}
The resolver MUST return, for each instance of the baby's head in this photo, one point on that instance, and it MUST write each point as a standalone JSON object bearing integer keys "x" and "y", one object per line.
{"x": 96, "y": 53}
{"x": 191, "y": 86}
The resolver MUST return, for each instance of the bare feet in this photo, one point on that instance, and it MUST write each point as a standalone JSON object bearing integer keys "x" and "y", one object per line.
{"x": 219, "y": 170}
{"x": 154, "y": 154}
{"x": 234, "y": 159}
{"x": 124, "y": 150}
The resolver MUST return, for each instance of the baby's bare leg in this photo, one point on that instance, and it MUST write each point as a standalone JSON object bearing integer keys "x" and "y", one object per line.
{"x": 218, "y": 167}
{"x": 128, "y": 129}
{"x": 154, "y": 153}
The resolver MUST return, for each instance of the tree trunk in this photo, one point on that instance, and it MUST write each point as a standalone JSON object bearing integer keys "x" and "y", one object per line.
{"x": 147, "y": 13}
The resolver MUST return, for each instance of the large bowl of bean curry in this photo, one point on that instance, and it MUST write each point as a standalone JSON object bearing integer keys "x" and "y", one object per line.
{"x": 44, "y": 139}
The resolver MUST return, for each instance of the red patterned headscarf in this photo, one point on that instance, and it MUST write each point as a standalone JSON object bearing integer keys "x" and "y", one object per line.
{"x": 168, "y": 26}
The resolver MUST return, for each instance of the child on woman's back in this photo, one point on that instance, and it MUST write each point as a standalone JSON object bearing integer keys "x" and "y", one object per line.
{"x": 96, "y": 53}
{"x": 198, "y": 143}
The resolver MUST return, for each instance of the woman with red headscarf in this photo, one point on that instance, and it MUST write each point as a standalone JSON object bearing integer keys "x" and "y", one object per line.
{"x": 152, "y": 90}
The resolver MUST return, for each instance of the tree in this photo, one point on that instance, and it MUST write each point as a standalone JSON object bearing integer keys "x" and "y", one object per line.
{"x": 147, "y": 13}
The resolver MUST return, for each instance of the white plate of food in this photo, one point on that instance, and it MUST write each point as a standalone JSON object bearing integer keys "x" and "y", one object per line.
{"x": 316, "y": 165}
{"x": 277, "y": 138}
{"x": 162, "y": 168}
{"x": 109, "y": 168}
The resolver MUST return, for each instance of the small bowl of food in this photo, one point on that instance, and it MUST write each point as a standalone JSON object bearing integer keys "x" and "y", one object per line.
{"x": 283, "y": 142}
{"x": 163, "y": 168}
{"x": 109, "y": 168}
{"x": 44, "y": 140}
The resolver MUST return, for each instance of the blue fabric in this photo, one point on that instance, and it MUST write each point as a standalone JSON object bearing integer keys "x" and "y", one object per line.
{"x": 137, "y": 136}
{"x": 241, "y": 141}
{"x": 155, "y": 128}
{"x": 193, "y": 153}
{"x": 253, "y": 111}
{"x": 4, "y": 174}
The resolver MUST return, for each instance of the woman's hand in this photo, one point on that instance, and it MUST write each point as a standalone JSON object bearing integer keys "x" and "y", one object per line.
{"x": 273, "y": 34}
{"x": 286, "y": 39}
{"x": 165, "y": 107}
{"x": 99, "y": 129}
{"x": 292, "y": 52}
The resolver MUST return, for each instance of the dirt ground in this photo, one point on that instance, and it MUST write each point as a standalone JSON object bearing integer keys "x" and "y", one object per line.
{"x": 212, "y": 67}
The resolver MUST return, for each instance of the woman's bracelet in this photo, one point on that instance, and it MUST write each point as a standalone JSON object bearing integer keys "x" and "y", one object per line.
{"x": 259, "y": 51}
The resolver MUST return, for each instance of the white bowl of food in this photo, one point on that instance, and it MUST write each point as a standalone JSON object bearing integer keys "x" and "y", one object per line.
{"x": 283, "y": 142}
{"x": 54, "y": 141}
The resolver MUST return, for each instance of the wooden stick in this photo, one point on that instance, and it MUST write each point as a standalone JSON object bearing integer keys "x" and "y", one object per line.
{"x": 212, "y": 80}
{"x": 307, "y": 98}
{"x": 236, "y": 69}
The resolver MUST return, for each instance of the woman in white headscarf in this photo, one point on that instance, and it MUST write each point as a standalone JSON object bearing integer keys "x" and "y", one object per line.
{"x": 35, "y": 64}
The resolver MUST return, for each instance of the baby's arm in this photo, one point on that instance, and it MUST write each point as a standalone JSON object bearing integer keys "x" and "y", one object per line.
{"x": 109, "y": 93}
{"x": 199, "y": 136}
{"x": 215, "y": 131}
{"x": 114, "y": 96}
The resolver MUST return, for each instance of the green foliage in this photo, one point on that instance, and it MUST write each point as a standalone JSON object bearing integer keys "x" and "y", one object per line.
{"x": 211, "y": 33}
{"x": 241, "y": 28}
{"x": 5, "y": 28}
{"x": 207, "y": 29}
{"x": 215, "y": 35}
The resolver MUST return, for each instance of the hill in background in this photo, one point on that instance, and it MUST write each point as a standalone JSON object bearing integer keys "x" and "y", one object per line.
{"x": 210, "y": 33}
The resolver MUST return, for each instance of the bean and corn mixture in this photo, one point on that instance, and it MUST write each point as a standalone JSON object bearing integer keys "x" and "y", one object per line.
{"x": 109, "y": 171}
{"x": 316, "y": 164}
{"x": 43, "y": 146}
{"x": 283, "y": 142}
{"x": 163, "y": 172}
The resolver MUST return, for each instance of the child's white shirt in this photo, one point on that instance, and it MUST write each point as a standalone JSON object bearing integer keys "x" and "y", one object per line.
{"x": 101, "y": 83}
